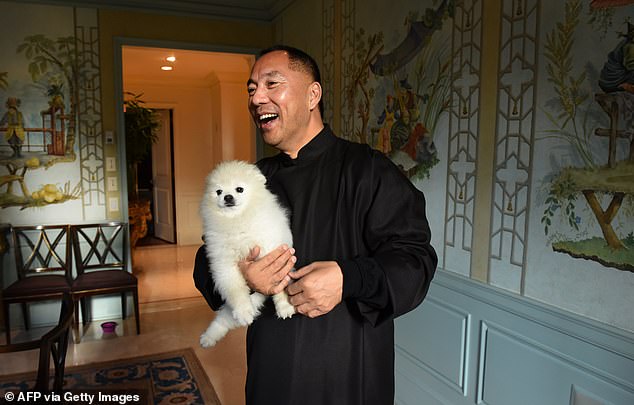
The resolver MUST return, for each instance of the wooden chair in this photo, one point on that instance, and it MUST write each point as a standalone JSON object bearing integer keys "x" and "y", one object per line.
{"x": 101, "y": 252}
{"x": 43, "y": 263}
{"x": 54, "y": 344}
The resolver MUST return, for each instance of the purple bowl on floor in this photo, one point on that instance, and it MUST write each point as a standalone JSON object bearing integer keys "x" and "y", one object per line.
{"x": 108, "y": 327}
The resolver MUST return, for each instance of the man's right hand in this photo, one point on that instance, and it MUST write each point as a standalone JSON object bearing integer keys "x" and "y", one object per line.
{"x": 268, "y": 275}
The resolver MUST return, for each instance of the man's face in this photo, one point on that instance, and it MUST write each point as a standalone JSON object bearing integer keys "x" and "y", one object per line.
{"x": 279, "y": 100}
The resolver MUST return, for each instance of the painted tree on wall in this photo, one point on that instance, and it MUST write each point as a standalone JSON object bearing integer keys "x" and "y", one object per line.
{"x": 366, "y": 51}
{"x": 576, "y": 116}
{"x": 49, "y": 57}
{"x": 52, "y": 65}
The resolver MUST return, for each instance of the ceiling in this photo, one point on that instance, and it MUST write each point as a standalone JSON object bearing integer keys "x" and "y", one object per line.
{"x": 144, "y": 64}
{"x": 258, "y": 10}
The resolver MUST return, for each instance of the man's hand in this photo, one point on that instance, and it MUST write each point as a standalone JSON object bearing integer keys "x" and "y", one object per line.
{"x": 317, "y": 289}
{"x": 268, "y": 275}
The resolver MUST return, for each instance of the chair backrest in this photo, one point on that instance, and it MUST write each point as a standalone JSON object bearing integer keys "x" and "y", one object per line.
{"x": 42, "y": 249}
{"x": 54, "y": 344}
{"x": 100, "y": 246}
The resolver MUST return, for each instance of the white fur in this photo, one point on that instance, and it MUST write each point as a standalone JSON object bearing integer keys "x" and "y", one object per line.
{"x": 254, "y": 219}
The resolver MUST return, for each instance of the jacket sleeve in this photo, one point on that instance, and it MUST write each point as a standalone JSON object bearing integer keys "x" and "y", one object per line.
{"x": 204, "y": 282}
{"x": 394, "y": 276}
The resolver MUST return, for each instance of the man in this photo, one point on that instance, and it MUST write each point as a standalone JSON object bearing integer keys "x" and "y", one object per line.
{"x": 361, "y": 249}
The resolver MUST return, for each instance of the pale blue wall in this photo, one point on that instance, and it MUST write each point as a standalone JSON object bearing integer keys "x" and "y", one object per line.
{"x": 470, "y": 343}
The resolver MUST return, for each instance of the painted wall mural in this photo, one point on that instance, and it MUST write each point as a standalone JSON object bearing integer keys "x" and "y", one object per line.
{"x": 412, "y": 91}
{"x": 395, "y": 94}
{"x": 29, "y": 146}
{"x": 592, "y": 114}
{"x": 553, "y": 220}
{"x": 51, "y": 142}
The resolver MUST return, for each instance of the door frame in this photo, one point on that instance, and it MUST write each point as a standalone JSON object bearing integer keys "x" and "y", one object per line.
{"x": 170, "y": 110}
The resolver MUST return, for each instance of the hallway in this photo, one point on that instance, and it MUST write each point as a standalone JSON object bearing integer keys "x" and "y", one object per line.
{"x": 165, "y": 272}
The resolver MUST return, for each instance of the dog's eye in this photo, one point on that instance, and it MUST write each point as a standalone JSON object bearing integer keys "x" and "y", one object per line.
{"x": 239, "y": 189}
{"x": 218, "y": 192}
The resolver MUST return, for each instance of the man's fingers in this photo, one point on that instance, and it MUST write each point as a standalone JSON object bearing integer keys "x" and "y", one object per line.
{"x": 269, "y": 273}
{"x": 295, "y": 288}
{"x": 284, "y": 262}
{"x": 277, "y": 255}
{"x": 309, "y": 311}
{"x": 280, "y": 286}
{"x": 288, "y": 266}
{"x": 253, "y": 253}
{"x": 296, "y": 299}
{"x": 299, "y": 273}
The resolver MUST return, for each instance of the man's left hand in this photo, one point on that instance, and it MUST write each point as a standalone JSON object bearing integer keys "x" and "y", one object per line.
{"x": 317, "y": 289}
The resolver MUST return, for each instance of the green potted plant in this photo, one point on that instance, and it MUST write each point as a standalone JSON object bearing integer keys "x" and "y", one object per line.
{"x": 141, "y": 125}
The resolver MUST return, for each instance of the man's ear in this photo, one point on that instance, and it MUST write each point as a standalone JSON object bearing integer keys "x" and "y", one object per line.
{"x": 315, "y": 95}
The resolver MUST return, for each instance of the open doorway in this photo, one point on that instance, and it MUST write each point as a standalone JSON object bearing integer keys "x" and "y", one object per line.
{"x": 156, "y": 184}
{"x": 204, "y": 101}
{"x": 206, "y": 93}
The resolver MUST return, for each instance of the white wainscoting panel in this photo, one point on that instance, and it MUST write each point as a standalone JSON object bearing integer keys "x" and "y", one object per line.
{"x": 446, "y": 362}
{"x": 469, "y": 343}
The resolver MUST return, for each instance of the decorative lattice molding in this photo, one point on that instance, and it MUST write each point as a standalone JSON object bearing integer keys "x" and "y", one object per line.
{"x": 328, "y": 64}
{"x": 514, "y": 137}
{"x": 91, "y": 147}
{"x": 464, "y": 121}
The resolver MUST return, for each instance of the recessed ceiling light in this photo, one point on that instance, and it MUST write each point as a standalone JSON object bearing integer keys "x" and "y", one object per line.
{"x": 171, "y": 58}
{"x": 166, "y": 68}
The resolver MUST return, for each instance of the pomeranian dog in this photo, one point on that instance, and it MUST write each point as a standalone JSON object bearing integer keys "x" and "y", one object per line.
{"x": 238, "y": 213}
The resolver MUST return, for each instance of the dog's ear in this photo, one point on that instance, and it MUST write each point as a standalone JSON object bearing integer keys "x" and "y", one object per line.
{"x": 259, "y": 176}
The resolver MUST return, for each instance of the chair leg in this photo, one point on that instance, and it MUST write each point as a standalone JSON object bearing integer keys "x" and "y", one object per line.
{"x": 26, "y": 316}
{"x": 85, "y": 316}
{"x": 76, "y": 335}
{"x": 137, "y": 315}
{"x": 7, "y": 323}
{"x": 124, "y": 306}
{"x": 60, "y": 362}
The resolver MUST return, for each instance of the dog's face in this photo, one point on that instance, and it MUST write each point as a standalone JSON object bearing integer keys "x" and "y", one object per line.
{"x": 232, "y": 195}
{"x": 232, "y": 186}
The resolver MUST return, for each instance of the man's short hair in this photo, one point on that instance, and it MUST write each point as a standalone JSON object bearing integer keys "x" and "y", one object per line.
{"x": 299, "y": 60}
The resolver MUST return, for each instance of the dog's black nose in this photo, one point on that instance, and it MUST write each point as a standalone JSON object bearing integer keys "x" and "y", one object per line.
{"x": 229, "y": 200}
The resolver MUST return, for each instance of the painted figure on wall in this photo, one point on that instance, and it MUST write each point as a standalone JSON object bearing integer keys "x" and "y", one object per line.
{"x": 604, "y": 179}
{"x": 618, "y": 72}
{"x": 13, "y": 123}
{"x": 386, "y": 121}
{"x": 412, "y": 84}
{"x": 33, "y": 145}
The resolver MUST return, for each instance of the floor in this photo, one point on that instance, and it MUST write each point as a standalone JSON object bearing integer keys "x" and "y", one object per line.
{"x": 173, "y": 315}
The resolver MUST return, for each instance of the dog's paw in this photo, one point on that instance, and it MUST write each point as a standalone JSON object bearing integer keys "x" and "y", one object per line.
{"x": 206, "y": 340}
{"x": 244, "y": 315}
{"x": 284, "y": 309}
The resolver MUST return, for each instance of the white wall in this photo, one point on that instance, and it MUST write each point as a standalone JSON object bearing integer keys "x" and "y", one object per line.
{"x": 233, "y": 128}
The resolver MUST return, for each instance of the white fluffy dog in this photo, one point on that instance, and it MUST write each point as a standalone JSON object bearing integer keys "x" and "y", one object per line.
{"x": 238, "y": 213}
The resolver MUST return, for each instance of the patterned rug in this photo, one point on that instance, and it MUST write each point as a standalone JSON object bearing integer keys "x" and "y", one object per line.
{"x": 165, "y": 378}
